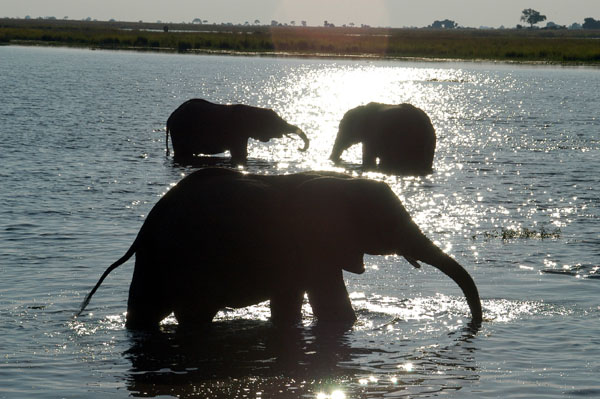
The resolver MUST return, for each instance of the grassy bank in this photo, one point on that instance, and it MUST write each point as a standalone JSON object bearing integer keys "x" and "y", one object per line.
{"x": 558, "y": 46}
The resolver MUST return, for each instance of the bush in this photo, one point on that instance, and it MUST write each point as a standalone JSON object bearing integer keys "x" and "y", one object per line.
{"x": 109, "y": 41}
{"x": 184, "y": 46}
{"x": 225, "y": 45}
{"x": 141, "y": 41}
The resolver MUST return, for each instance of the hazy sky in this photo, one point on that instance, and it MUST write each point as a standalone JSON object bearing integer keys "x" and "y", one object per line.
{"x": 396, "y": 13}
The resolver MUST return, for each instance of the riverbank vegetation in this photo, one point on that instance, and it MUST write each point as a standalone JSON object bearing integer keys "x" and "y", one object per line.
{"x": 525, "y": 45}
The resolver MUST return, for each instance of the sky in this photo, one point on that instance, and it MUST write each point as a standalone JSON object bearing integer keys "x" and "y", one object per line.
{"x": 394, "y": 13}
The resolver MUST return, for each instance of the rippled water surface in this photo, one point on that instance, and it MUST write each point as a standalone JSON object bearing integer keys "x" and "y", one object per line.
{"x": 514, "y": 198}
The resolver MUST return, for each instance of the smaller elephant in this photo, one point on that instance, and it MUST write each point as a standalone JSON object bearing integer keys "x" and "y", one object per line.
{"x": 400, "y": 136}
{"x": 200, "y": 127}
{"x": 221, "y": 238}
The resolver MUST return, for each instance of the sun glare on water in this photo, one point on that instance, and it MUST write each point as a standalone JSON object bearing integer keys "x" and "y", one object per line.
{"x": 337, "y": 394}
{"x": 316, "y": 99}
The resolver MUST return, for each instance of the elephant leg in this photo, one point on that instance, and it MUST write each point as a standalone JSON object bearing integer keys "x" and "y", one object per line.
{"x": 239, "y": 152}
{"x": 147, "y": 304}
{"x": 389, "y": 164}
{"x": 197, "y": 297}
{"x": 369, "y": 156}
{"x": 286, "y": 306}
{"x": 329, "y": 299}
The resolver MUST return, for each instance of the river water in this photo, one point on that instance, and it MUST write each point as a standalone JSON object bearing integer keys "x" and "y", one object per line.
{"x": 514, "y": 197}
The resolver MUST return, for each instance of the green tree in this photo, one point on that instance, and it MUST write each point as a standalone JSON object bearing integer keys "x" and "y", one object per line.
{"x": 445, "y": 24}
{"x": 532, "y": 16}
{"x": 590, "y": 23}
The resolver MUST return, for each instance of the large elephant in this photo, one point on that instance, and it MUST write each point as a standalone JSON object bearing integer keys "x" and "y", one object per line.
{"x": 221, "y": 238}
{"x": 200, "y": 127}
{"x": 400, "y": 136}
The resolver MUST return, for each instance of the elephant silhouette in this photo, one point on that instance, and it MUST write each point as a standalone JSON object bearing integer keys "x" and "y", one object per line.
{"x": 400, "y": 136}
{"x": 222, "y": 238}
{"x": 200, "y": 127}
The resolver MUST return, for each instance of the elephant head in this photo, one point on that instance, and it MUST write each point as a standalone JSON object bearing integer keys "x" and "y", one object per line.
{"x": 264, "y": 124}
{"x": 351, "y": 131}
{"x": 353, "y": 217}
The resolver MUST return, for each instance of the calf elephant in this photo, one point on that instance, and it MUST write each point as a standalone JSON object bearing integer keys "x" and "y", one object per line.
{"x": 201, "y": 127}
{"x": 221, "y": 238}
{"x": 400, "y": 136}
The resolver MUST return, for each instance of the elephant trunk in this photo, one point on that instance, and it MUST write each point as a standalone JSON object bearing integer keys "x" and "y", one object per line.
{"x": 302, "y": 135}
{"x": 429, "y": 253}
{"x": 336, "y": 152}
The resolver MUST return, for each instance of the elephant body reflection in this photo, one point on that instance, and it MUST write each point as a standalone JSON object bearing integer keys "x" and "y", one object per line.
{"x": 250, "y": 358}
{"x": 222, "y": 238}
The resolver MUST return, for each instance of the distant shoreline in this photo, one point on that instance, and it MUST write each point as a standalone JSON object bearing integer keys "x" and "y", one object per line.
{"x": 567, "y": 47}
{"x": 315, "y": 56}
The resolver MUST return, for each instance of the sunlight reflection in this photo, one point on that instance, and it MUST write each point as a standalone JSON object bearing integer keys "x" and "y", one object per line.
{"x": 169, "y": 320}
{"x": 82, "y": 328}
{"x": 109, "y": 322}
{"x": 336, "y": 394}
{"x": 408, "y": 367}
{"x": 437, "y": 307}
{"x": 316, "y": 99}
{"x": 260, "y": 312}
{"x": 423, "y": 308}
{"x": 115, "y": 322}
{"x": 503, "y": 310}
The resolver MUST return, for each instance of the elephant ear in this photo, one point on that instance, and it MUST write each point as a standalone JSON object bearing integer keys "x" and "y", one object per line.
{"x": 329, "y": 230}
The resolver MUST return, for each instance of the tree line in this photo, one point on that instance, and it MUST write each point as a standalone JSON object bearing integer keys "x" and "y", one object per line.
{"x": 528, "y": 15}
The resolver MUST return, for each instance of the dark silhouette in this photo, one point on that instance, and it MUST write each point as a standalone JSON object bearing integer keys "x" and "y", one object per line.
{"x": 590, "y": 23}
{"x": 221, "y": 238}
{"x": 400, "y": 136}
{"x": 240, "y": 358}
{"x": 445, "y": 24}
{"x": 201, "y": 127}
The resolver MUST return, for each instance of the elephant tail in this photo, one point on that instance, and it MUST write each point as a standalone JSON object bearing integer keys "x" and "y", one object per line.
{"x": 112, "y": 267}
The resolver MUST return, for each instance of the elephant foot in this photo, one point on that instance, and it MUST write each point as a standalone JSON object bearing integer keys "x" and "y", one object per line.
{"x": 239, "y": 153}
{"x": 144, "y": 319}
{"x": 146, "y": 306}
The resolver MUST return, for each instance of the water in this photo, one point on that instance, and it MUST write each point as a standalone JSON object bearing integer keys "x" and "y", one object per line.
{"x": 514, "y": 198}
